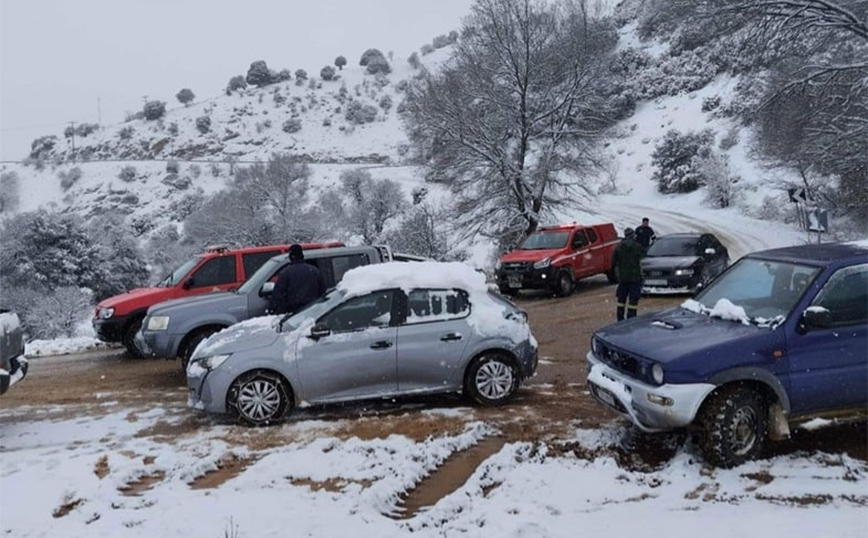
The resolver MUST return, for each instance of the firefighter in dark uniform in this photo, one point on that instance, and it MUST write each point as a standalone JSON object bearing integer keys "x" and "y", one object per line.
{"x": 627, "y": 261}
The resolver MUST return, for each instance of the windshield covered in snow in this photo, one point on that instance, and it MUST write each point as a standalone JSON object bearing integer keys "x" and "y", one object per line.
{"x": 675, "y": 246}
{"x": 762, "y": 292}
{"x": 178, "y": 274}
{"x": 545, "y": 240}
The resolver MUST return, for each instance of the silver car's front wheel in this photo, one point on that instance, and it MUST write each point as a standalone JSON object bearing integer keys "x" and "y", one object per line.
{"x": 259, "y": 398}
{"x": 491, "y": 379}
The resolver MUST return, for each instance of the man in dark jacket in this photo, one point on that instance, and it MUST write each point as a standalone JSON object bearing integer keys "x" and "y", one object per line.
{"x": 627, "y": 261}
{"x": 298, "y": 284}
{"x": 645, "y": 234}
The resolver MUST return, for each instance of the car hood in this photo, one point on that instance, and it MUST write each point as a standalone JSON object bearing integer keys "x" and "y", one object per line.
{"x": 251, "y": 334}
{"x": 136, "y": 297}
{"x": 211, "y": 302}
{"x": 666, "y": 262}
{"x": 529, "y": 255}
{"x": 680, "y": 334}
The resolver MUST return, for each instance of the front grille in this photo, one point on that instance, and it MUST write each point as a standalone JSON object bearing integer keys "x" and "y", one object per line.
{"x": 517, "y": 267}
{"x": 656, "y": 273}
{"x": 625, "y": 363}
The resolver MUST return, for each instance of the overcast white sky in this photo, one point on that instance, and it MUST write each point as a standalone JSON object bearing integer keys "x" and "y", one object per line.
{"x": 92, "y": 60}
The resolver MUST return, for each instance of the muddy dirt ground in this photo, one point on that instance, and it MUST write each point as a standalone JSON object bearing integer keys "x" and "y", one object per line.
{"x": 549, "y": 408}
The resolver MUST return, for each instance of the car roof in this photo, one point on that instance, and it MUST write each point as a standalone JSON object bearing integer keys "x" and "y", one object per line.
{"x": 822, "y": 254}
{"x": 683, "y": 235}
{"x": 417, "y": 275}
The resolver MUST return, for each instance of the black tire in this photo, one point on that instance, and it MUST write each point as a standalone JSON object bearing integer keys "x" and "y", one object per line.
{"x": 734, "y": 426}
{"x": 612, "y": 276}
{"x": 564, "y": 286}
{"x": 129, "y": 338}
{"x": 491, "y": 379}
{"x": 260, "y": 398}
{"x": 190, "y": 344}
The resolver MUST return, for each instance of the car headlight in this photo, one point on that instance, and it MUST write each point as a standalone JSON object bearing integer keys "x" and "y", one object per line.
{"x": 542, "y": 264}
{"x": 106, "y": 313}
{"x": 211, "y": 363}
{"x": 158, "y": 323}
{"x": 684, "y": 272}
{"x": 657, "y": 373}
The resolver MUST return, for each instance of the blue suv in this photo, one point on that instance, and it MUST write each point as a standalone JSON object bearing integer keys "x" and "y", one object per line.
{"x": 777, "y": 339}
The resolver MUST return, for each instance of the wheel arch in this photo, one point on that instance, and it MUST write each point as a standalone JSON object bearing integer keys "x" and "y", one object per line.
{"x": 194, "y": 332}
{"x": 478, "y": 354}
{"x": 760, "y": 379}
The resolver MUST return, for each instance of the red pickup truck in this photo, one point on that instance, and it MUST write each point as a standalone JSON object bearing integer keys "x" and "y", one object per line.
{"x": 220, "y": 268}
{"x": 555, "y": 257}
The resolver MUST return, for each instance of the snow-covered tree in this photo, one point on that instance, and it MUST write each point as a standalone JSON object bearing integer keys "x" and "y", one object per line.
{"x": 236, "y": 83}
{"x": 154, "y": 110}
{"x": 327, "y": 73}
{"x": 340, "y": 62}
{"x": 676, "y": 160}
{"x": 185, "y": 96}
{"x": 259, "y": 74}
{"x": 515, "y": 113}
{"x": 370, "y": 203}
{"x": 9, "y": 192}
{"x": 723, "y": 187}
{"x": 422, "y": 232}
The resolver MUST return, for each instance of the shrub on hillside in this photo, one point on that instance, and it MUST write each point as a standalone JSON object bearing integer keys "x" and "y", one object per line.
{"x": 126, "y": 133}
{"x": 676, "y": 160}
{"x": 414, "y": 61}
{"x": 203, "y": 124}
{"x": 340, "y": 62}
{"x": 185, "y": 96}
{"x": 369, "y": 55}
{"x": 82, "y": 130}
{"x": 292, "y": 125}
{"x": 426, "y": 49}
{"x": 68, "y": 178}
{"x": 172, "y": 167}
{"x": 259, "y": 74}
{"x": 710, "y": 103}
{"x": 359, "y": 113}
{"x": 283, "y": 75}
{"x": 236, "y": 83}
{"x": 327, "y": 73}
{"x": 386, "y": 103}
{"x": 43, "y": 145}
{"x": 378, "y": 66}
{"x": 154, "y": 110}
{"x": 128, "y": 174}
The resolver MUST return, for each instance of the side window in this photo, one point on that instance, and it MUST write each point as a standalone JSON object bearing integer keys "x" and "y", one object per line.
{"x": 579, "y": 240}
{"x": 424, "y": 305}
{"x": 592, "y": 235}
{"x": 215, "y": 272}
{"x": 342, "y": 264}
{"x": 254, "y": 260}
{"x": 372, "y": 310}
{"x": 845, "y": 296}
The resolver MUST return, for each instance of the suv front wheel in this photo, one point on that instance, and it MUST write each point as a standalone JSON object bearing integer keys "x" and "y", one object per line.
{"x": 734, "y": 426}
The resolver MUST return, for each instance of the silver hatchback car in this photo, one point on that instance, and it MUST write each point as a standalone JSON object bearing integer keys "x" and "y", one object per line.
{"x": 387, "y": 330}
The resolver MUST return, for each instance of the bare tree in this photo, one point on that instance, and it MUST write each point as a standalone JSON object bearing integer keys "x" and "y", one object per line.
{"x": 514, "y": 114}
{"x": 371, "y": 203}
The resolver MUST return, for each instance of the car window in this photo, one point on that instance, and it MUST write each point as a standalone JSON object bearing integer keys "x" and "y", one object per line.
{"x": 424, "y": 305}
{"x": 371, "y": 310}
{"x": 254, "y": 260}
{"x": 579, "y": 240}
{"x": 215, "y": 272}
{"x": 845, "y": 296}
{"x": 342, "y": 264}
{"x": 592, "y": 235}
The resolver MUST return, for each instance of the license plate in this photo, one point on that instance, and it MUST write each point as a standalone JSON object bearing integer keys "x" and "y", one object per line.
{"x": 514, "y": 281}
{"x": 605, "y": 395}
{"x": 655, "y": 282}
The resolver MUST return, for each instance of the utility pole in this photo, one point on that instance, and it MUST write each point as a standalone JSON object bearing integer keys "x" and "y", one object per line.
{"x": 72, "y": 124}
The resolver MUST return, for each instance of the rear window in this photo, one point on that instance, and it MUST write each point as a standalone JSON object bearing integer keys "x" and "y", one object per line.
{"x": 215, "y": 272}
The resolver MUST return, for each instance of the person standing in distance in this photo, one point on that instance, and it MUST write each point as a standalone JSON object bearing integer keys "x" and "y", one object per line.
{"x": 645, "y": 234}
{"x": 298, "y": 284}
{"x": 627, "y": 261}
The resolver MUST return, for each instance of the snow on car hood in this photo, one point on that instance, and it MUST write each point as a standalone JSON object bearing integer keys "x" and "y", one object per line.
{"x": 675, "y": 262}
{"x": 250, "y": 334}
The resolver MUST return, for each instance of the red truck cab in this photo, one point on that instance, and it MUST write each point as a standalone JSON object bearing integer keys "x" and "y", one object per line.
{"x": 219, "y": 268}
{"x": 555, "y": 257}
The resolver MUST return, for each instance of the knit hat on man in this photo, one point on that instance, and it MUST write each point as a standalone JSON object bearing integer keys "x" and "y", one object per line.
{"x": 296, "y": 253}
{"x": 628, "y": 232}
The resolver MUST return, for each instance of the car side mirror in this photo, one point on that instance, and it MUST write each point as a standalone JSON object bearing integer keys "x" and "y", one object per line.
{"x": 266, "y": 289}
{"x": 816, "y": 317}
{"x": 188, "y": 283}
{"x": 319, "y": 330}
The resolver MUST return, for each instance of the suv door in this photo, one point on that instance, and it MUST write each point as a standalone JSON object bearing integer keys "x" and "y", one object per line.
{"x": 357, "y": 359}
{"x": 433, "y": 338}
{"x": 582, "y": 264}
{"x": 216, "y": 274}
{"x": 829, "y": 366}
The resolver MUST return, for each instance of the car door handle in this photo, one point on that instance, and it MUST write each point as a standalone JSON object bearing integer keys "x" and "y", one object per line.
{"x": 450, "y": 337}
{"x": 382, "y": 344}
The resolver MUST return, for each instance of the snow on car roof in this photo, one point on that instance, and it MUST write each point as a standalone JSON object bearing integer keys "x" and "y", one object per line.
{"x": 411, "y": 275}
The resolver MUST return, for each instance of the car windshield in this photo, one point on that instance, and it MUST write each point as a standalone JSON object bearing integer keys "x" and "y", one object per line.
{"x": 545, "y": 240}
{"x": 766, "y": 290}
{"x": 331, "y": 299}
{"x": 178, "y": 274}
{"x": 674, "y": 246}
{"x": 261, "y": 275}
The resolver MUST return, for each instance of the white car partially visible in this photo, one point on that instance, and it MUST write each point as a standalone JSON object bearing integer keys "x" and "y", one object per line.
{"x": 13, "y": 365}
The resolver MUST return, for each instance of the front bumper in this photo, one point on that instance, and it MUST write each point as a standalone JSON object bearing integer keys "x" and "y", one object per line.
{"x": 111, "y": 329}
{"x": 208, "y": 388}
{"x": 643, "y": 403}
{"x": 523, "y": 276}
{"x": 160, "y": 344}
{"x": 670, "y": 284}
{"x": 17, "y": 372}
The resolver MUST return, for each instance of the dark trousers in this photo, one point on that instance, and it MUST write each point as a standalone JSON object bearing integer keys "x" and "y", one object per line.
{"x": 628, "y": 291}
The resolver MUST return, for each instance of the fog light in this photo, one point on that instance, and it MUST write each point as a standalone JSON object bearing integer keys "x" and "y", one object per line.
{"x": 660, "y": 400}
